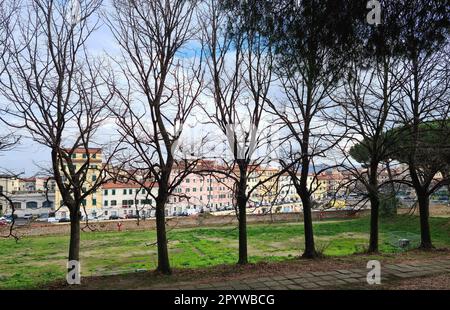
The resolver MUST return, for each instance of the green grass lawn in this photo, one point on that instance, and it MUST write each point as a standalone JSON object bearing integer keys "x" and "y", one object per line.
{"x": 35, "y": 261}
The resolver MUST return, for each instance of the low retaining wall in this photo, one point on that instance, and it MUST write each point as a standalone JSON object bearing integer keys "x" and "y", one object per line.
{"x": 36, "y": 229}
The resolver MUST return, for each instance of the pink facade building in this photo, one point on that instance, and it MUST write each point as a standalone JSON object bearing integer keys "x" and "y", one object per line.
{"x": 199, "y": 192}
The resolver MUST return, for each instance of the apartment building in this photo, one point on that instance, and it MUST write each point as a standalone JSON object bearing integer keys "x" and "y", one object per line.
{"x": 9, "y": 185}
{"x": 31, "y": 203}
{"x": 199, "y": 193}
{"x": 37, "y": 184}
{"x": 93, "y": 203}
{"x": 128, "y": 199}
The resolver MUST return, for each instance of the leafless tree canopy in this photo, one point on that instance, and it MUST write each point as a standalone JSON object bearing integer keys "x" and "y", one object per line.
{"x": 239, "y": 75}
{"x": 54, "y": 93}
{"x": 161, "y": 87}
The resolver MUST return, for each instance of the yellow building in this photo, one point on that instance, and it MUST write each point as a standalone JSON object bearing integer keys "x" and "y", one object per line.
{"x": 268, "y": 192}
{"x": 330, "y": 184}
{"x": 9, "y": 185}
{"x": 93, "y": 203}
{"x": 320, "y": 187}
{"x": 287, "y": 190}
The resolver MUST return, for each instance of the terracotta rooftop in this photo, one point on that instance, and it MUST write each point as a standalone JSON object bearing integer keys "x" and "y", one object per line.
{"x": 115, "y": 185}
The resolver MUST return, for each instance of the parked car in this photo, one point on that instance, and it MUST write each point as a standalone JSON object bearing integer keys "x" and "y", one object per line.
{"x": 52, "y": 220}
{"x": 114, "y": 217}
{"x": 8, "y": 218}
{"x": 28, "y": 216}
{"x": 64, "y": 220}
{"x": 90, "y": 218}
{"x": 42, "y": 218}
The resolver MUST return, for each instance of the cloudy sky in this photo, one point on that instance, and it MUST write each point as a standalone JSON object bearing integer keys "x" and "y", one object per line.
{"x": 29, "y": 156}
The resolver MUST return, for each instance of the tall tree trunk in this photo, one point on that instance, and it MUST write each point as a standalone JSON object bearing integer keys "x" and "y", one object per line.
{"x": 310, "y": 249}
{"x": 163, "y": 253}
{"x": 374, "y": 206}
{"x": 242, "y": 208}
{"x": 424, "y": 211}
{"x": 242, "y": 214}
{"x": 303, "y": 191}
{"x": 74, "y": 243}
{"x": 448, "y": 192}
{"x": 374, "y": 219}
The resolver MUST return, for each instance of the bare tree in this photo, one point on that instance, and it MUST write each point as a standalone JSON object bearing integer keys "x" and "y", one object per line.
{"x": 160, "y": 89}
{"x": 8, "y": 141}
{"x": 8, "y": 12}
{"x": 366, "y": 100}
{"x": 239, "y": 62}
{"x": 308, "y": 69}
{"x": 423, "y": 110}
{"x": 55, "y": 95}
{"x": 365, "y": 108}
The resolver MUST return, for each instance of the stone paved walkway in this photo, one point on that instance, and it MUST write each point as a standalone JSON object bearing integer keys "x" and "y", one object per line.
{"x": 323, "y": 280}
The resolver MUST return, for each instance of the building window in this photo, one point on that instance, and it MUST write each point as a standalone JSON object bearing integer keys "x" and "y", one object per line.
{"x": 74, "y": 155}
{"x": 106, "y": 203}
{"x": 94, "y": 156}
{"x": 130, "y": 192}
{"x": 84, "y": 156}
{"x": 47, "y": 204}
{"x": 94, "y": 177}
{"x": 113, "y": 202}
{"x": 94, "y": 202}
{"x": 124, "y": 191}
{"x": 106, "y": 192}
{"x": 113, "y": 192}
